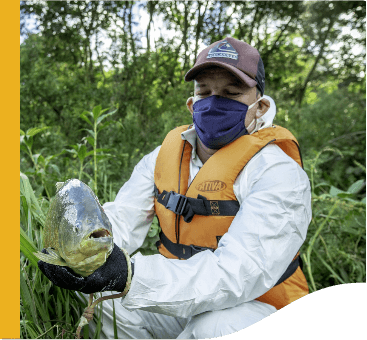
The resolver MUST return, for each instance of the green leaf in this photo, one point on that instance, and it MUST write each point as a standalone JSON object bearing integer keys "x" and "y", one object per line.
{"x": 23, "y": 147}
{"x": 82, "y": 152}
{"x": 41, "y": 171}
{"x": 38, "y": 158}
{"x": 97, "y": 111}
{"x": 27, "y": 298}
{"x": 322, "y": 184}
{"x": 27, "y": 247}
{"x": 105, "y": 115}
{"x": 356, "y": 187}
{"x": 97, "y": 151}
{"x": 32, "y": 202}
{"x": 115, "y": 336}
{"x": 152, "y": 232}
{"x": 102, "y": 126}
{"x": 56, "y": 168}
{"x": 359, "y": 165}
{"x": 74, "y": 152}
{"x": 67, "y": 303}
{"x": 344, "y": 195}
{"x": 33, "y": 131}
{"x": 84, "y": 117}
{"x": 48, "y": 158}
{"x": 104, "y": 156}
{"x": 90, "y": 140}
{"x": 92, "y": 133}
{"x": 344, "y": 274}
{"x": 22, "y": 132}
{"x": 74, "y": 146}
{"x": 119, "y": 124}
{"x": 28, "y": 141}
{"x": 350, "y": 231}
{"x": 335, "y": 191}
{"x": 104, "y": 110}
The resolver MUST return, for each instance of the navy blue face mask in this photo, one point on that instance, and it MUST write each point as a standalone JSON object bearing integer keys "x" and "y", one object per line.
{"x": 219, "y": 120}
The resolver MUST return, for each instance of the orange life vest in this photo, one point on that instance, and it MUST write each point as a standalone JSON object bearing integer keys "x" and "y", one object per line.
{"x": 214, "y": 184}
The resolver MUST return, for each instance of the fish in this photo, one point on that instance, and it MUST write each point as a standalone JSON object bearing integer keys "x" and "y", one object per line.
{"x": 77, "y": 232}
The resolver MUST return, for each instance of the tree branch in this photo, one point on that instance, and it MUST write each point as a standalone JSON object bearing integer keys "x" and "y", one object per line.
{"x": 303, "y": 88}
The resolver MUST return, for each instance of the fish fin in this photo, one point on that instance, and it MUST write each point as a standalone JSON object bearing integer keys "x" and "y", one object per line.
{"x": 58, "y": 185}
{"x": 52, "y": 258}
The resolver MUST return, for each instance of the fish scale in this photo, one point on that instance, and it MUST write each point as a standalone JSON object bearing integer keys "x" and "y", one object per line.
{"x": 77, "y": 231}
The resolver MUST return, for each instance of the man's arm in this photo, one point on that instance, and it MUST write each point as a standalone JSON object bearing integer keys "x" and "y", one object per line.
{"x": 132, "y": 212}
{"x": 265, "y": 235}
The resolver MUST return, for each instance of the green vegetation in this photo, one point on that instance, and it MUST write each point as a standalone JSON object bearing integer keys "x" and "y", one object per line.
{"x": 314, "y": 56}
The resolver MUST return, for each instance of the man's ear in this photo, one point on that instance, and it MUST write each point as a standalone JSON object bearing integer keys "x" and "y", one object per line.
{"x": 190, "y": 104}
{"x": 263, "y": 107}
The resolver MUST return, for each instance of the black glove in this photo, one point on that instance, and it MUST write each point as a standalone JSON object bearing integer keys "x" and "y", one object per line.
{"x": 112, "y": 275}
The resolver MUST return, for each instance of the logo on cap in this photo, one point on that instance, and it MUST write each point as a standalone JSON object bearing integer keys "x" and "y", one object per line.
{"x": 223, "y": 50}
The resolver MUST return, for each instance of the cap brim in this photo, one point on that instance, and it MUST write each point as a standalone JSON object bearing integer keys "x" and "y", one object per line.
{"x": 241, "y": 75}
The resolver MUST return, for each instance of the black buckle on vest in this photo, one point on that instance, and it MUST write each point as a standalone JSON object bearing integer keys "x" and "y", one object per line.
{"x": 196, "y": 249}
{"x": 182, "y": 251}
{"x": 176, "y": 202}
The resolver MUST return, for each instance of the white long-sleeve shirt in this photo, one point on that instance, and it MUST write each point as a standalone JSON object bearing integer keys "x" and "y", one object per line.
{"x": 275, "y": 210}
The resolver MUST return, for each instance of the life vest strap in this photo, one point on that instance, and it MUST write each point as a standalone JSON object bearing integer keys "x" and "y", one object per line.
{"x": 188, "y": 207}
{"x": 184, "y": 251}
{"x": 291, "y": 269}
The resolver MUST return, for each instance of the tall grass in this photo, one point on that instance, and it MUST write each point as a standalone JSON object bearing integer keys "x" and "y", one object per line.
{"x": 335, "y": 248}
{"x": 47, "y": 311}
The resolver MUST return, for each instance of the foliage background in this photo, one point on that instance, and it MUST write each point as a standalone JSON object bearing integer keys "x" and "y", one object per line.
{"x": 129, "y": 58}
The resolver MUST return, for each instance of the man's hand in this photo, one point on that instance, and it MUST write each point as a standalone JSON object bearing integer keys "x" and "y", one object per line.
{"x": 112, "y": 275}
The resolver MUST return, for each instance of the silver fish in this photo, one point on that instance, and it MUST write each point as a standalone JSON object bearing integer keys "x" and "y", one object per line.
{"x": 77, "y": 231}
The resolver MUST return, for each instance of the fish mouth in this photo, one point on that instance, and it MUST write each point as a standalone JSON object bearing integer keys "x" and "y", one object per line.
{"x": 99, "y": 233}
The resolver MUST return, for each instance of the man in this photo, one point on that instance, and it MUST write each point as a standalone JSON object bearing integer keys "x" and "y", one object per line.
{"x": 233, "y": 202}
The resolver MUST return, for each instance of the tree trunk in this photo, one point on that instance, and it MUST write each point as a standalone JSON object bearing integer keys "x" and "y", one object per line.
{"x": 228, "y": 19}
{"x": 100, "y": 60}
{"x": 252, "y": 25}
{"x": 302, "y": 91}
{"x": 150, "y": 6}
{"x": 199, "y": 27}
{"x": 132, "y": 41}
{"x": 185, "y": 35}
{"x": 266, "y": 55}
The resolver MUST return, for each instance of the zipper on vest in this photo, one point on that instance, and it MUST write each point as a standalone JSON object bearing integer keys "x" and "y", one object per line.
{"x": 177, "y": 228}
{"x": 177, "y": 220}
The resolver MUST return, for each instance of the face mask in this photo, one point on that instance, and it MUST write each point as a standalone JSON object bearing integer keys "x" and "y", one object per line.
{"x": 259, "y": 122}
{"x": 219, "y": 120}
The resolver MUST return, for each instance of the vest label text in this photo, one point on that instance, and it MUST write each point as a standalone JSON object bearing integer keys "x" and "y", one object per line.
{"x": 211, "y": 186}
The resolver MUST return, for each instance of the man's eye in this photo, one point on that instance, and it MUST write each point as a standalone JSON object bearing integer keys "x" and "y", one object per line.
{"x": 233, "y": 93}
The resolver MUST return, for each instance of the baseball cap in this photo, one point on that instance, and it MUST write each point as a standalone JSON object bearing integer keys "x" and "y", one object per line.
{"x": 237, "y": 57}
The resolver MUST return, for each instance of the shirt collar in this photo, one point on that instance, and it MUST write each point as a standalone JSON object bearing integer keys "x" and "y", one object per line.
{"x": 190, "y": 136}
